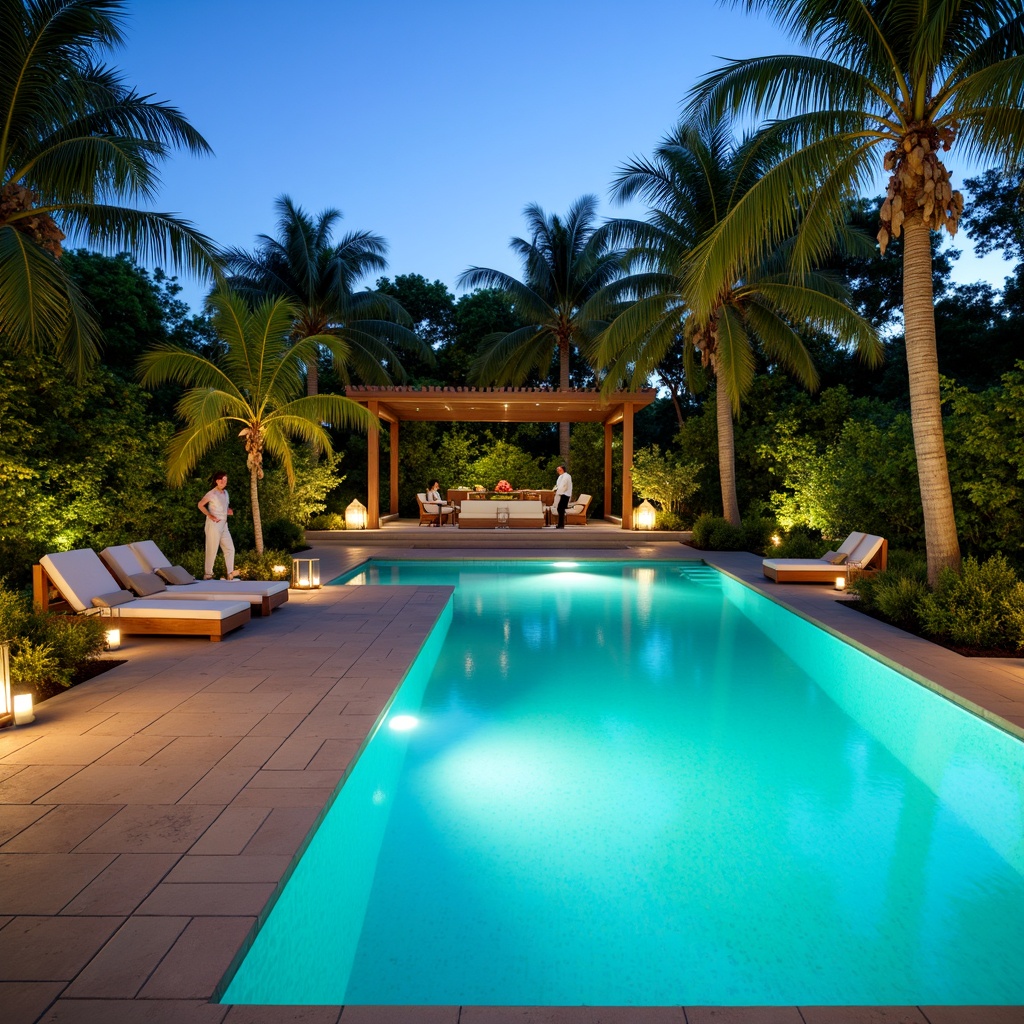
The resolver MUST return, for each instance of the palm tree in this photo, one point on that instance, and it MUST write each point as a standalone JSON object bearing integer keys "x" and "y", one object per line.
{"x": 256, "y": 388}
{"x": 889, "y": 85}
{"x": 319, "y": 278}
{"x": 696, "y": 177}
{"x": 564, "y": 266}
{"x": 75, "y": 143}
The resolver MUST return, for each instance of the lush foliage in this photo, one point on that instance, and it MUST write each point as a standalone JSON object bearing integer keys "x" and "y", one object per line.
{"x": 46, "y": 650}
{"x": 76, "y": 144}
{"x": 664, "y": 479}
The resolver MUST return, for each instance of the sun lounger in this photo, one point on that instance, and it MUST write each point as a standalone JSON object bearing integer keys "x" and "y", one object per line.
{"x": 87, "y": 588}
{"x": 135, "y": 565}
{"x": 864, "y": 552}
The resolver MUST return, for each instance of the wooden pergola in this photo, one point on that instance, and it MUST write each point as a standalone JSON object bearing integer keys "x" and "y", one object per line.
{"x": 392, "y": 405}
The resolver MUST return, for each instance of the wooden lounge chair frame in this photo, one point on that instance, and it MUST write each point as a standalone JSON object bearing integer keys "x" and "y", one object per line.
{"x": 46, "y": 597}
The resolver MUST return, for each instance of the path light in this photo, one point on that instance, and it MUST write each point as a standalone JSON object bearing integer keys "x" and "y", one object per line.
{"x": 644, "y": 516}
{"x": 23, "y": 713}
{"x": 355, "y": 515}
{"x": 113, "y": 639}
{"x": 840, "y": 583}
{"x": 305, "y": 573}
{"x": 776, "y": 539}
{"x": 6, "y": 710}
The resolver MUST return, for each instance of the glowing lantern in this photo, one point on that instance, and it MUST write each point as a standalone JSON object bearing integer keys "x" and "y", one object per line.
{"x": 644, "y": 516}
{"x": 355, "y": 515}
{"x": 23, "y": 713}
{"x": 6, "y": 710}
{"x": 840, "y": 583}
{"x": 305, "y": 573}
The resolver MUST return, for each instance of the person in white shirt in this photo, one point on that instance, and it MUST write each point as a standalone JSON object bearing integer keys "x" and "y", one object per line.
{"x": 563, "y": 494}
{"x": 216, "y": 506}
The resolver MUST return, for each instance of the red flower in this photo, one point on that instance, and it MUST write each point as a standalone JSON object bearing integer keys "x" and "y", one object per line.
{"x": 503, "y": 487}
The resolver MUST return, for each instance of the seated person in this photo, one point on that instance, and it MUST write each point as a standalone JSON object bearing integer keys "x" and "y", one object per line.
{"x": 435, "y": 503}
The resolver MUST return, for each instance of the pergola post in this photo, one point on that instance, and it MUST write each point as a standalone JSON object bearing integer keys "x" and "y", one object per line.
{"x": 627, "y": 466}
{"x": 394, "y": 467}
{"x": 607, "y": 468}
{"x": 373, "y": 472}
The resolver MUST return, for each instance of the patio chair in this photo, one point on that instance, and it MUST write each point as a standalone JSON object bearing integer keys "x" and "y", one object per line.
{"x": 86, "y": 587}
{"x": 863, "y": 552}
{"x": 434, "y": 513}
{"x": 135, "y": 565}
{"x": 578, "y": 510}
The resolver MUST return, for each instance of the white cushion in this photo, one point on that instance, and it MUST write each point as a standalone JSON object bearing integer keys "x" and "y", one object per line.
{"x": 252, "y": 591}
{"x": 154, "y": 608}
{"x": 149, "y": 555}
{"x": 78, "y": 575}
{"x": 122, "y": 562}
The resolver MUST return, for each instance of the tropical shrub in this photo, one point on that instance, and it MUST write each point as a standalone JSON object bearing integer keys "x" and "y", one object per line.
{"x": 664, "y": 479}
{"x": 505, "y": 461}
{"x": 982, "y": 605}
{"x": 798, "y": 542}
{"x": 328, "y": 521}
{"x": 284, "y": 535}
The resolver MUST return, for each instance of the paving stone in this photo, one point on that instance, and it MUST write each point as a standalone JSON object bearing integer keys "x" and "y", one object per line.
{"x": 862, "y": 1015}
{"x": 152, "y": 828}
{"x": 42, "y": 883}
{"x": 400, "y": 1015}
{"x": 124, "y": 723}
{"x": 277, "y": 725}
{"x": 121, "y": 887}
{"x": 140, "y": 1011}
{"x": 179, "y": 723}
{"x": 974, "y": 1014}
{"x": 284, "y": 1015}
{"x": 743, "y": 1015}
{"x": 233, "y": 829}
{"x": 212, "y": 703}
{"x": 220, "y": 785}
{"x": 24, "y": 1002}
{"x": 283, "y": 831}
{"x": 198, "y": 960}
{"x": 135, "y": 750}
{"x": 336, "y": 755}
{"x": 248, "y": 868}
{"x": 35, "y": 781}
{"x": 251, "y": 751}
{"x": 122, "y": 784}
{"x": 15, "y": 818}
{"x": 563, "y": 1015}
{"x": 61, "y": 749}
{"x": 307, "y": 797}
{"x": 209, "y": 899}
{"x": 122, "y": 966}
{"x": 51, "y": 948}
{"x": 62, "y": 829}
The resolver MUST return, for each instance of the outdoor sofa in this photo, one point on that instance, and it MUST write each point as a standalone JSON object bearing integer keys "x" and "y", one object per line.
{"x": 861, "y": 552}
{"x": 143, "y": 569}
{"x": 85, "y": 586}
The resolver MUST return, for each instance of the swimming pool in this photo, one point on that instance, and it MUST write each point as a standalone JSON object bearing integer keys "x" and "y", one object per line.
{"x": 622, "y": 784}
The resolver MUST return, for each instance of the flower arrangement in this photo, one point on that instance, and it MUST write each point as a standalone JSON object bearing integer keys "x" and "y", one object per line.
{"x": 503, "y": 487}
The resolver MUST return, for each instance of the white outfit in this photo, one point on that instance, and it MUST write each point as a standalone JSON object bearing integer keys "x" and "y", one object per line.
{"x": 563, "y": 485}
{"x": 217, "y": 534}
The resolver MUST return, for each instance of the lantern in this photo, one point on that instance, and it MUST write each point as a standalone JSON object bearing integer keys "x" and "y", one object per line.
{"x": 644, "y": 516}
{"x": 6, "y": 708}
{"x": 355, "y": 515}
{"x": 305, "y": 573}
{"x": 23, "y": 713}
{"x": 113, "y": 639}
{"x": 840, "y": 583}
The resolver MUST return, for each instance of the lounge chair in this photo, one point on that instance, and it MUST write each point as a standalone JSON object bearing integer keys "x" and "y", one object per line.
{"x": 434, "y": 513}
{"x": 861, "y": 551}
{"x": 134, "y": 566}
{"x": 576, "y": 512}
{"x": 86, "y": 587}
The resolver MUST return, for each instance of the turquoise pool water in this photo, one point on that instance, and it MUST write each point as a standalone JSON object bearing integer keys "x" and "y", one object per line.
{"x": 622, "y": 784}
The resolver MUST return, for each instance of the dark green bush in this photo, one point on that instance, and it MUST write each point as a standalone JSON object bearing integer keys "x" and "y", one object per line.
{"x": 899, "y": 599}
{"x": 702, "y": 527}
{"x": 253, "y": 566}
{"x": 982, "y": 605}
{"x": 799, "y": 542}
{"x": 283, "y": 535}
{"x": 668, "y": 520}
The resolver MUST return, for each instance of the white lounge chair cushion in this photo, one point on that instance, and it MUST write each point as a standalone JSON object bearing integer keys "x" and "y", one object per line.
{"x": 118, "y": 597}
{"x": 176, "y": 575}
{"x": 80, "y": 576}
{"x": 152, "y": 558}
{"x": 123, "y": 563}
{"x": 146, "y": 584}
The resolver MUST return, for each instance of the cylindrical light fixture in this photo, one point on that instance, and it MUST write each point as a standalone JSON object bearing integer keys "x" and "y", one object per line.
{"x": 113, "y": 639}
{"x": 305, "y": 573}
{"x": 840, "y": 583}
{"x": 23, "y": 713}
{"x": 6, "y": 707}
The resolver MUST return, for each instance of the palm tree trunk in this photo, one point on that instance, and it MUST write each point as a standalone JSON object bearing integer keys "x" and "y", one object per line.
{"x": 563, "y": 385}
{"x": 726, "y": 451}
{"x": 257, "y": 523}
{"x": 940, "y": 537}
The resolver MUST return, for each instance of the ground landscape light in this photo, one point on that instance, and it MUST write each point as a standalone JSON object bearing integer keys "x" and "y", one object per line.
{"x": 6, "y": 710}
{"x": 840, "y": 583}
{"x": 23, "y": 713}
{"x": 305, "y": 573}
{"x": 113, "y": 639}
{"x": 644, "y": 516}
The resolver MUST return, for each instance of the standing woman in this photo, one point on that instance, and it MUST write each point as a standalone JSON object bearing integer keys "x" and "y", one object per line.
{"x": 216, "y": 506}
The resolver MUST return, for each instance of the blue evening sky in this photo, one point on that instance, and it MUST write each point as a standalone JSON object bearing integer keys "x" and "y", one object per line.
{"x": 430, "y": 123}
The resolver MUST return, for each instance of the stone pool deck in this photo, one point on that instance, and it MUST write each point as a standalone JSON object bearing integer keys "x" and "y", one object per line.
{"x": 147, "y": 816}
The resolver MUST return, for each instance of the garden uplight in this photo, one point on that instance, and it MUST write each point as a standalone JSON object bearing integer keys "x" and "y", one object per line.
{"x": 305, "y": 573}
{"x": 113, "y": 639}
{"x": 23, "y": 713}
{"x": 6, "y": 711}
{"x": 840, "y": 583}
